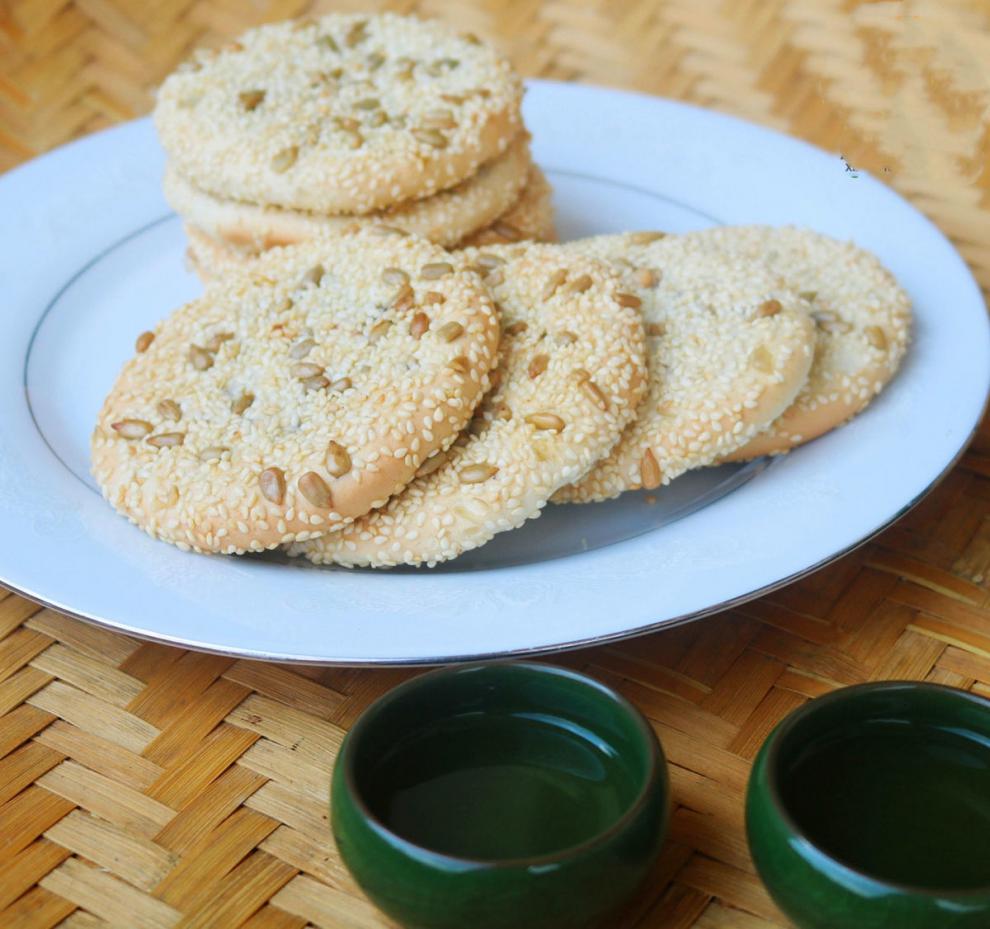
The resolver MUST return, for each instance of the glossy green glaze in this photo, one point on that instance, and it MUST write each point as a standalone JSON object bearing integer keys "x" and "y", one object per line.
{"x": 869, "y": 808}
{"x": 500, "y": 796}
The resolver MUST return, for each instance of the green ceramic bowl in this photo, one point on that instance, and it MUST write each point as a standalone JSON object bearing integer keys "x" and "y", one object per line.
{"x": 869, "y": 808}
{"x": 500, "y": 796}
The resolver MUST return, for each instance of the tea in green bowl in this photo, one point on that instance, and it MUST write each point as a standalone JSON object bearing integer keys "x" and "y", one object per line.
{"x": 500, "y": 796}
{"x": 870, "y": 807}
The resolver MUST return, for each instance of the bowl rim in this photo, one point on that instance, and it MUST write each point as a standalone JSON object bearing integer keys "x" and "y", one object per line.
{"x": 654, "y": 774}
{"x": 771, "y": 771}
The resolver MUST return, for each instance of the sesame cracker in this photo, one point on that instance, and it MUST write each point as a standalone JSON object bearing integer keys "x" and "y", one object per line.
{"x": 343, "y": 114}
{"x": 296, "y": 394}
{"x": 862, "y": 315}
{"x": 729, "y": 347}
{"x": 445, "y": 217}
{"x": 529, "y": 217}
{"x": 570, "y": 375}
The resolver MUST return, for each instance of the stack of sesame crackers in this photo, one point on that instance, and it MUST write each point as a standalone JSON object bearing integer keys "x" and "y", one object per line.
{"x": 314, "y": 126}
{"x": 386, "y": 370}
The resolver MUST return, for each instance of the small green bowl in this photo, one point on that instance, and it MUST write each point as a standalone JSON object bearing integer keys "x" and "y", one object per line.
{"x": 500, "y": 796}
{"x": 869, "y": 808}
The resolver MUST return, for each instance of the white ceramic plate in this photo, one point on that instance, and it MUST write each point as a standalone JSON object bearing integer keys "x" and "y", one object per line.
{"x": 91, "y": 256}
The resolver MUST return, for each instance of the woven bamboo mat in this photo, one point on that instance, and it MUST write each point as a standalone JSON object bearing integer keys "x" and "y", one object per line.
{"x": 143, "y": 786}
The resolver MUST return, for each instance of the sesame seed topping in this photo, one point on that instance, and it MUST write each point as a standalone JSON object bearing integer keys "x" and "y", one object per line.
{"x": 338, "y": 461}
{"x": 132, "y": 428}
{"x": 419, "y": 325}
{"x": 433, "y": 138}
{"x": 357, "y": 33}
{"x": 501, "y": 469}
{"x": 305, "y": 369}
{"x": 214, "y": 224}
{"x": 761, "y": 359}
{"x": 352, "y": 138}
{"x": 379, "y": 329}
{"x": 451, "y": 331}
{"x": 272, "y": 484}
{"x": 314, "y": 275}
{"x": 488, "y": 261}
{"x": 437, "y": 269}
{"x": 431, "y": 464}
{"x": 301, "y": 348}
{"x": 438, "y": 119}
{"x": 251, "y": 99}
{"x": 449, "y": 106}
{"x": 315, "y": 490}
{"x": 876, "y": 337}
{"x": 593, "y": 392}
{"x": 553, "y": 282}
{"x": 316, "y": 382}
{"x": 530, "y": 217}
{"x": 478, "y": 473}
{"x": 550, "y": 421}
{"x": 718, "y": 371}
{"x": 629, "y": 300}
{"x": 404, "y": 298}
{"x": 538, "y": 365}
{"x": 169, "y": 409}
{"x": 388, "y": 405}
{"x": 649, "y": 470}
{"x": 200, "y": 358}
{"x": 285, "y": 159}
{"x": 862, "y": 317}
{"x": 216, "y": 341}
{"x": 166, "y": 439}
{"x": 395, "y": 276}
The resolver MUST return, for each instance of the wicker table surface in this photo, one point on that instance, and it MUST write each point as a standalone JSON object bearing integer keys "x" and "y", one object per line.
{"x": 144, "y": 786}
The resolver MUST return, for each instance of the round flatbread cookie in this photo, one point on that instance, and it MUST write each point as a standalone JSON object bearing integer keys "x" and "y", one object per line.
{"x": 445, "y": 218}
{"x": 729, "y": 347}
{"x": 297, "y": 394}
{"x": 344, "y": 114}
{"x": 530, "y": 217}
{"x": 863, "y": 318}
{"x": 571, "y": 373}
